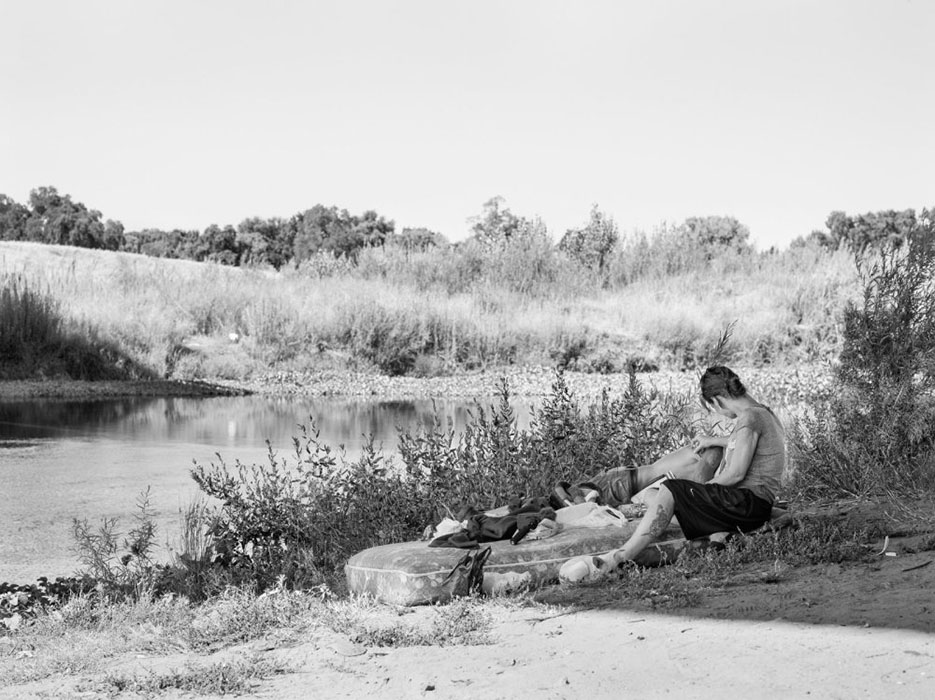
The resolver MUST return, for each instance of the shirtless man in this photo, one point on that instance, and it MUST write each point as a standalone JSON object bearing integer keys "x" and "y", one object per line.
{"x": 738, "y": 497}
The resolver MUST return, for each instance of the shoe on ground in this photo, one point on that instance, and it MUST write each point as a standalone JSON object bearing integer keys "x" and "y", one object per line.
{"x": 583, "y": 569}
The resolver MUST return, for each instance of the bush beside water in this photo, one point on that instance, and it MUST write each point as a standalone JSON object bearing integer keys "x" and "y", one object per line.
{"x": 874, "y": 433}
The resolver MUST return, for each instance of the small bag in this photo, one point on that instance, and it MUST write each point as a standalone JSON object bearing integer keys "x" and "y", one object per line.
{"x": 467, "y": 576}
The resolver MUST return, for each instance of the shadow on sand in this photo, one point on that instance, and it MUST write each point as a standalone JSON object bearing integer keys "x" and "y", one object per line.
{"x": 885, "y": 591}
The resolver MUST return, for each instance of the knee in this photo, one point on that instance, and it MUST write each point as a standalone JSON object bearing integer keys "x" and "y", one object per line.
{"x": 664, "y": 497}
{"x": 710, "y": 460}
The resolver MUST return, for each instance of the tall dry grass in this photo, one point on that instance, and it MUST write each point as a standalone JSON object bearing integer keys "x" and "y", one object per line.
{"x": 462, "y": 307}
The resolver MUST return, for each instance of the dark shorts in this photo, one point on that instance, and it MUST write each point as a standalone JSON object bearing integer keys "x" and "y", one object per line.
{"x": 703, "y": 509}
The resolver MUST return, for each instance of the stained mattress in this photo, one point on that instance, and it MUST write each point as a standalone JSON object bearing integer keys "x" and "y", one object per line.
{"x": 412, "y": 573}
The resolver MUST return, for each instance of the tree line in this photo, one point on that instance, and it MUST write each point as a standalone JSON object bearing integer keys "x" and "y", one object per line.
{"x": 54, "y": 218}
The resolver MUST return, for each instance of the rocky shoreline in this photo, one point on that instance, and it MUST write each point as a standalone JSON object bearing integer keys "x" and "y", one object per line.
{"x": 76, "y": 389}
{"x": 770, "y": 384}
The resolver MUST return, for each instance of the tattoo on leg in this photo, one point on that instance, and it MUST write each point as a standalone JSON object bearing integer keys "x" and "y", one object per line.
{"x": 660, "y": 523}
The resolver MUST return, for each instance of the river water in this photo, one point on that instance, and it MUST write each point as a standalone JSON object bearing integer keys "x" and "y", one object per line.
{"x": 61, "y": 460}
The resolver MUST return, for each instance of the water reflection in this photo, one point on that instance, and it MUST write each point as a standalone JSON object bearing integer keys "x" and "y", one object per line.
{"x": 91, "y": 459}
{"x": 228, "y": 421}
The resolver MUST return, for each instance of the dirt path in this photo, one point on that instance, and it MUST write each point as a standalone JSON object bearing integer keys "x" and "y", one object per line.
{"x": 595, "y": 654}
{"x": 598, "y": 654}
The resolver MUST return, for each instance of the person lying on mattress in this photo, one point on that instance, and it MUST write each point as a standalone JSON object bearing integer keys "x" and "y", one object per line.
{"x": 738, "y": 497}
{"x": 615, "y": 487}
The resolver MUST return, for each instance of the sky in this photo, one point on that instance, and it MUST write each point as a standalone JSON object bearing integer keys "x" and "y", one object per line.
{"x": 182, "y": 114}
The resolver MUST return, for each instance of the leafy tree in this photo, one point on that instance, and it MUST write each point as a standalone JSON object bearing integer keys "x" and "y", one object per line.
{"x": 315, "y": 226}
{"x": 163, "y": 244}
{"x": 416, "y": 239}
{"x": 13, "y": 216}
{"x": 265, "y": 242}
{"x": 55, "y": 218}
{"x": 370, "y": 229}
{"x": 815, "y": 238}
{"x": 714, "y": 234}
{"x": 591, "y": 245}
{"x": 496, "y": 223}
{"x": 334, "y": 230}
{"x": 218, "y": 245}
{"x": 888, "y": 228}
{"x": 113, "y": 235}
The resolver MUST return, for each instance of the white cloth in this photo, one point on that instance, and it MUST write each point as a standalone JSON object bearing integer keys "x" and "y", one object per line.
{"x": 546, "y": 528}
{"x": 447, "y": 526}
{"x": 589, "y": 515}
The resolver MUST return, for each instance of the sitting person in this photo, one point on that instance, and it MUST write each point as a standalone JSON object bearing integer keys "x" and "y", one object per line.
{"x": 738, "y": 497}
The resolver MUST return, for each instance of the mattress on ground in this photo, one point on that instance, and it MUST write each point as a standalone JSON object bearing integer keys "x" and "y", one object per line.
{"x": 412, "y": 573}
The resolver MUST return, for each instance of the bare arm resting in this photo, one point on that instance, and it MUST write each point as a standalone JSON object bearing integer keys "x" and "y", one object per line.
{"x": 737, "y": 459}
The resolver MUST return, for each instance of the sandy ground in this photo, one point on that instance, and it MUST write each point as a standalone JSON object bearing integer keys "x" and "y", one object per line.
{"x": 597, "y": 654}
{"x": 824, "y": 631}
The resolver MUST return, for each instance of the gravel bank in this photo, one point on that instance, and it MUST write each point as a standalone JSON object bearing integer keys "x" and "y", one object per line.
{"x": 72, "y": 389}
{"x": 773, "y": 385}
{"x": 776, "y": 386}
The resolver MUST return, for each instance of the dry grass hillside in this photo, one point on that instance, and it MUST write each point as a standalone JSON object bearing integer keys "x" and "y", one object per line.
{"x": 187, "y": 319}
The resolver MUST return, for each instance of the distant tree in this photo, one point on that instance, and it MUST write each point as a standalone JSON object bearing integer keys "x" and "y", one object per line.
{"x": 265, "y": 242}
{"x": 496, "y": 223}
{"x": 113, "y": 235}
{"x": 162, "y": 244}
{"x": 368, "y": 230}
{"x": 315, "y": 227}
{"x": 56, "y": 219}
{"x": 336, "y": 231}
{"x": 888, "y": 228}
{"x": 714, "y": 234}
{"x": 818, "y": 239}
{"x": 591, "y": 245}
{"x": 416, "y": 240}
{"x": 218, "y": 245}
{"x": 13, "y": 216}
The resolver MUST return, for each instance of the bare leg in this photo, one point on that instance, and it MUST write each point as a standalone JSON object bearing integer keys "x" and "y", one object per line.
{"x": 658, "y": 515}
{"x": 684, "y": 463}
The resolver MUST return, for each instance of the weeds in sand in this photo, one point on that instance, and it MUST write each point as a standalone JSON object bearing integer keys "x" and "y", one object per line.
{"x": 465, "y": 621}
{"x": 87, "y": 631}
{"x": 219, "y": 678}
{"x": 239, "y": 615}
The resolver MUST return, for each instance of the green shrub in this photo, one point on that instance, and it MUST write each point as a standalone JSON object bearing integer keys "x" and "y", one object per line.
{"x": 290, "y": 520}
{"x": 120, "y": 569}
{"x": 876, "y": 431}
{"x": 494, "y": 461}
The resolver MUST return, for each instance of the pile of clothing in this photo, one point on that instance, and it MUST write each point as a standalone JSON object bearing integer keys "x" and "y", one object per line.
{"x": 531, "y": 518}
